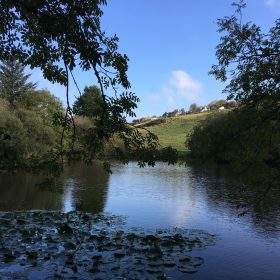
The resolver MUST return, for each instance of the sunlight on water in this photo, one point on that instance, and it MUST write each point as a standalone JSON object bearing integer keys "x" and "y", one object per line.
{"x": 168, "y": 196}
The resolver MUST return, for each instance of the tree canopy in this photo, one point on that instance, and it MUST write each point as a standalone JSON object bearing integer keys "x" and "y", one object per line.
{"x": 13, "y": 81}
{"x": 90, "y": 103}
{"x": 248, "y": 59}
{"x": 58, "y": 36}
{"x": 248, "y": 136}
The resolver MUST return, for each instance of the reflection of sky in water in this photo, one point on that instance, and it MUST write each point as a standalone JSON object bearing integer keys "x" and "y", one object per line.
{"x": 67, "y": 197}
{"x": 166, "y": 196}
{"x": 156, "y": 197}
{"x": 173, "y": 196}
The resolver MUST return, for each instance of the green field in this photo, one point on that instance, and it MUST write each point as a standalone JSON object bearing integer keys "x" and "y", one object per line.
{"x": 173, "y": 131}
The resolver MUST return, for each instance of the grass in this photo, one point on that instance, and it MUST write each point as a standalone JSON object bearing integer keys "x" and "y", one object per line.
{"x": 174, "y": 130}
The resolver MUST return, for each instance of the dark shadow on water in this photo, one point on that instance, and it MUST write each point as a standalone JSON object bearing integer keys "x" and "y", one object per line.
{"x": 83, "y": 188}
{"x": 90, "y": 186}
{"x": 236, "y": 195}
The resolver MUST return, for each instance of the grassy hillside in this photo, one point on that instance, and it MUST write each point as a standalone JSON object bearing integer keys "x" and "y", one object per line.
{"x": 173, "y": 131}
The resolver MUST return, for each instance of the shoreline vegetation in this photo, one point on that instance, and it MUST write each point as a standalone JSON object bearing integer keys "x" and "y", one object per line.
{"x": 37, "y": 133}
{"x": 212, "y": 137}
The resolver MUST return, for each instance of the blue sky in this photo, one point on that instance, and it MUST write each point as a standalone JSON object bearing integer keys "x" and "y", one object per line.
{"x": 171, "y": 46}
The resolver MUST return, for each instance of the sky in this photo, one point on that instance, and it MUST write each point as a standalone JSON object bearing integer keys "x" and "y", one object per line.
{"x": 171, "y": 47}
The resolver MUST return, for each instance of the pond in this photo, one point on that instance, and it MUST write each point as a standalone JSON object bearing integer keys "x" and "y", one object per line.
{"x": 246, "y": 247}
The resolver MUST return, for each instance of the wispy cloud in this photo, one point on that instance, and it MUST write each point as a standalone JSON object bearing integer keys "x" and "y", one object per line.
{"x": 184, "y": 85}
{"x": 272, "y": 3}
{"x": 179, "y": 90}
{"x": 154, "y": 97}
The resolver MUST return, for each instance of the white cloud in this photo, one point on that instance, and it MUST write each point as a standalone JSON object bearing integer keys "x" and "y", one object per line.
{"x": 154, "y": 97}
{"x": 272, "y": 3}
{"x": 180, "y": 88}
{"x": 184, "y": 81}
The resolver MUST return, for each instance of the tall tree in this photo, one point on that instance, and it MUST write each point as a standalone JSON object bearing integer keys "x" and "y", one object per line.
{"x": 248, "y": 58}
{"x": 13, "y": 81}
{"x": 90, "y": 103}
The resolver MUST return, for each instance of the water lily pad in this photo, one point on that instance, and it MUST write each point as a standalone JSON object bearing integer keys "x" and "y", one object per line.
{"x": 32, "y": 255}
{"x": 154, "y": 270}
{"x": 97, "y": 257}
{"x": 169, "y": 263}
{"x": 8, "y": 257}
{"x": 197, "y": 261}
{"x": 185, "y": 259}
{"x": 151, "y": 238}
{"x": 94, "y": 269}
{"x": 156, "y": 263}
{"x": 115, "y": 267}
{"x": 21, "y": 221}
{"x": 69, "y": 246}
{"x": 98, "y": 246}
{"x": 119, "y": 254}
{"x": 64, "y": 229}
{"x": 187, "y": 268}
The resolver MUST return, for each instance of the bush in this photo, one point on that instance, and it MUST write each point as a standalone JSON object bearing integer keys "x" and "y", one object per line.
{"x": 24, "y": 135}
{"x": 245, "y": 136}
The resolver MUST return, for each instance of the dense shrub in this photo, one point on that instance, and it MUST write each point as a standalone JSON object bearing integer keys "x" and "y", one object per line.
{"x": 25, "y": 134}
{"x": 245, "y": 136}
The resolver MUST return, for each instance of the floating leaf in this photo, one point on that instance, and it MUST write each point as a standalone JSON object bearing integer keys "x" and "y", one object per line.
{"x": 64, "y": 229}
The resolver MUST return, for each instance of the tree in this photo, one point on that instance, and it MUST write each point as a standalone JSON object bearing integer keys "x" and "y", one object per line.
{"x": 25, "y": 135}
{"x": 13, "y": 81}
{"x": 58, "y": 36}
{"x": 248, "y": 136}
{"x": 248, "y": 58}
{"x": 90, "y": 103}
{"x": 193, "y": 108}
{"x": 44, "y": 103}
{"x": 216, "y": 104}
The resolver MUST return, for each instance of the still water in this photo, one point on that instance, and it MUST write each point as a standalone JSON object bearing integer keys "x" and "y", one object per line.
{"x": 248, "y": 247}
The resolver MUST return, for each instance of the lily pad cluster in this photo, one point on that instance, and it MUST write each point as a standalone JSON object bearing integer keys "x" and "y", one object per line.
{"x": 76, "y": 245}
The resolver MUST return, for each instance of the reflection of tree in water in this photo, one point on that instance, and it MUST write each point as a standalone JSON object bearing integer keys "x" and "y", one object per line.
{"x": 89, "y": 186}
{"x": 228, "y": 191}
{"x": 20, "y": 191}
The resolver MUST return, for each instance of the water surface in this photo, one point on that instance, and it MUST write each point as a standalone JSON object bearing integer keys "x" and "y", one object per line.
{"x": 248, "y": 247}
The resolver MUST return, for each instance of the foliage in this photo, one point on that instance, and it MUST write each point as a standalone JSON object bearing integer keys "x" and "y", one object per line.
{"x": 90, "y": 103}
{"x": 248, "y": 59}
{"x": 43, "y": 103}
{"x": 193, "y": 108}
{"x": 13, "y": 140}
{"x": 248, "y": 135}
{"x": 245, "y": 137}
{"x": 13, "y": 81}
{"x": 27, "y": 133}
{"x": 216, "y": 104}
{"x": 58, "y": 36}
{"x": 27, "y": 137}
